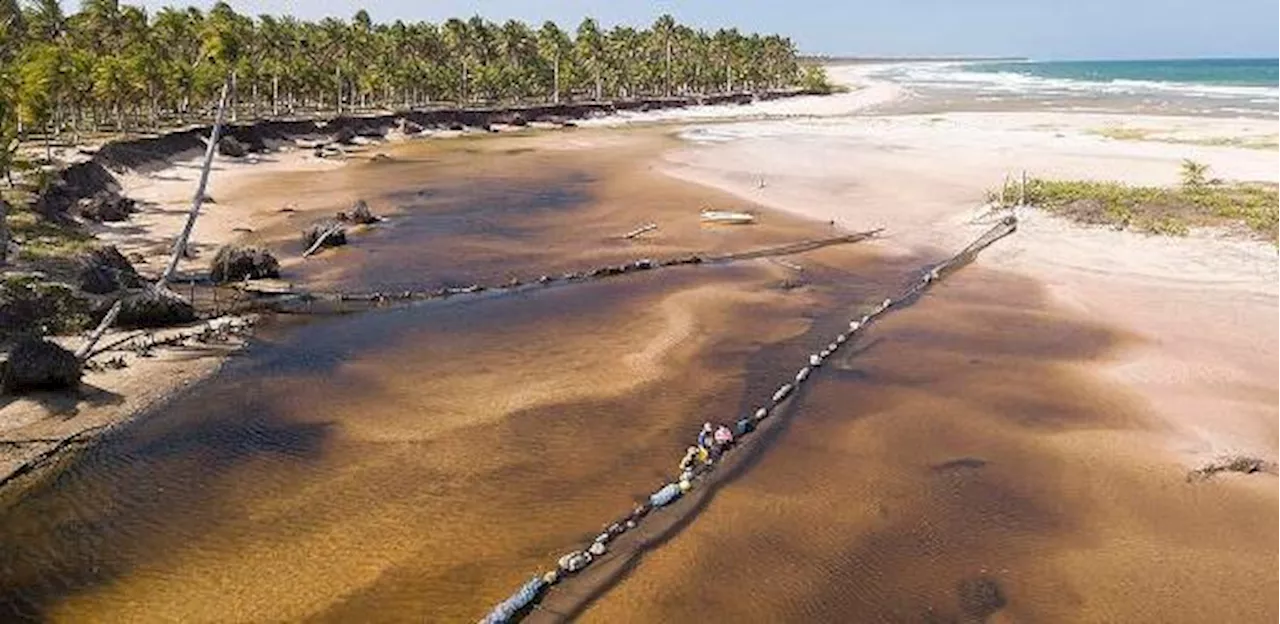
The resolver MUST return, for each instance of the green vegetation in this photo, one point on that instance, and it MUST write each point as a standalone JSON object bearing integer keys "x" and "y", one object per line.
{"x": 814, "y": 78}
{"x": 113, "y": 67}
{"x": 29, "y": 303}
{"x": 1197, "y": 202}
{"x": 1122, "y": 133}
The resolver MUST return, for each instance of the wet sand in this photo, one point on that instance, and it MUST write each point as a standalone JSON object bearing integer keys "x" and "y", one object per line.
{"x": 418, "y": 462}
{"x": 422, "y": 462}
{"x": 1014, "y": 459}
{"x": 964, "y": 464}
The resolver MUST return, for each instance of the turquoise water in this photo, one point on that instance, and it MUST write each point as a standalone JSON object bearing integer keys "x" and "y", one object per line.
{"x": 1227, "y": 72}
{"x": 1212, "y": 87}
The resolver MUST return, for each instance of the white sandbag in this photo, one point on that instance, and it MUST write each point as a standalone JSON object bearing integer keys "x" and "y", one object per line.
{"x": 574, "y": 561}
{"x": 802, "y": 375}
{"x": 665, "y": 495}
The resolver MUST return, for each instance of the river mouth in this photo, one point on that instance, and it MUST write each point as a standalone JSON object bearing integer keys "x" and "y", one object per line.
{"x": 420, "y": 462}
{"x": 428, "y": 455}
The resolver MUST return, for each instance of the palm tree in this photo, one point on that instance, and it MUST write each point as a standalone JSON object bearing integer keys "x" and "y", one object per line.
{"x": 554, "y": 47}
{"x": 112, "y": 65}
{"x": 45, "y": 20}
{"x": 664, "y": 36}
{"x": 457, "y": 43}
{"x": 590, "y": 47}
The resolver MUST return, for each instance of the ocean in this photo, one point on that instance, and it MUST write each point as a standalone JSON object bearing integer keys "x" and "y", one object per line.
{"x": 1218, "y": 87}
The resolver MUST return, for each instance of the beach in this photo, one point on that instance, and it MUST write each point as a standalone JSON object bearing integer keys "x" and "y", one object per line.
{"x": 1014, "y": 446}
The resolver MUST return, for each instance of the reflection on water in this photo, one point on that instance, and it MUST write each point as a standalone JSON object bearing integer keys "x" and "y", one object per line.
{"x": 947, "y": 469}
{"x": 410, "y": 461}
{"x": 420, "y": 462}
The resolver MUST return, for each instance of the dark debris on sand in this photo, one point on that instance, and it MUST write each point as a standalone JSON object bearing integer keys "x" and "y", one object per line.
{"x": 1239, "y": 463}
{"x": 37, "y": 364}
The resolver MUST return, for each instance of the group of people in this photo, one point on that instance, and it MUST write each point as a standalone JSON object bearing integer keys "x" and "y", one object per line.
{"x": 712, "y": 442}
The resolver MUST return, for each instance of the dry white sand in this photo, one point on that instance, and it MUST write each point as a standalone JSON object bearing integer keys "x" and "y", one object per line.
{"x": 165, "y": 199}
{"x": 1204, "y": 308}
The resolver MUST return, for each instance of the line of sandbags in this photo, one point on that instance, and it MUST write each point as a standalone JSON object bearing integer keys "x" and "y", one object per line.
{"x": 670, "y": 492}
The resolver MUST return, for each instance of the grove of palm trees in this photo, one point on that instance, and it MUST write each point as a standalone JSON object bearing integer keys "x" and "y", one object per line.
{"x": 116, "y": 68}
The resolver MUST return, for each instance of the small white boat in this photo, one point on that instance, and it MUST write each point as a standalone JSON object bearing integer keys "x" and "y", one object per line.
{"x": 728, "y": 217}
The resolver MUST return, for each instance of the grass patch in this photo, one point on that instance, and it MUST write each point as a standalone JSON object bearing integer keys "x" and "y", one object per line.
{"x": 1172, "y": 211}
{"x": 1120, "y": 133}
{"x": 29, "y": 303}
{"x": 42, "y": 239}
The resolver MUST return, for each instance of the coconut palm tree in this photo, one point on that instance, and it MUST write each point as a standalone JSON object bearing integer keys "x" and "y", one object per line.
{"x": 112, "y": 65}
{"x": 664, "y": 32}
{"x": 590, "y": 48}
{"x": 554, "y": 47}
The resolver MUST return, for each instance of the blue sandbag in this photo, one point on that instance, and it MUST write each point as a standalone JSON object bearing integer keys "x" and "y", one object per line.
{"x": 743, "y": 427}
{"x": 508, "y": 609}
{"x": 664, "y": 496}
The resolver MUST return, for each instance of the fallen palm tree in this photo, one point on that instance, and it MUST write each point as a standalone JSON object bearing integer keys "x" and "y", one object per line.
{"x": 330, "y": 234}
{"x": 215, "y": 330}
{"x": 596, "y": 567}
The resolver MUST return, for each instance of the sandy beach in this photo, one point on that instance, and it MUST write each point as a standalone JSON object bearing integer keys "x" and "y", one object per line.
{"x": 1202, "y": 305}
{"x": 1023, "y": 433}
{"x": 1198, "y": 362}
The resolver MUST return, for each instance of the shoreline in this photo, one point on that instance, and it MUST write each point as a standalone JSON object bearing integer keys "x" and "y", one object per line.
{"x": 160, "y": 172}
{"x": 913, "y": 178}
{"x": 162, "y": 179}
{"x": 926, "y": 179}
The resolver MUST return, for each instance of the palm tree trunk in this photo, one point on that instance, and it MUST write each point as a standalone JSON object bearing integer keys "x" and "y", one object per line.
{"x": 235, "y": 97}
{"x": 4, "y": 232}
{"x": 667, "y": 86}
{"x": 275, "y": 96}
{"x": 180, "y": 246}
{"x": 464, "y": 83}
{"x": 555, "y": 85}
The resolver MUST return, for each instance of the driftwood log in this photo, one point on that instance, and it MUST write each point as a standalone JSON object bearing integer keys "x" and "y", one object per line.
{"x": 648, "y": 227}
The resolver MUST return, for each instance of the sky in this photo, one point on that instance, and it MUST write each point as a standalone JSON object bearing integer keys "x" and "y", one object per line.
{"x": 1039, "y": 29}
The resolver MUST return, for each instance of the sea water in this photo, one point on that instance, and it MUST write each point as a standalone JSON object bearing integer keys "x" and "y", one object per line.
{"x": 1218, "y": 87}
